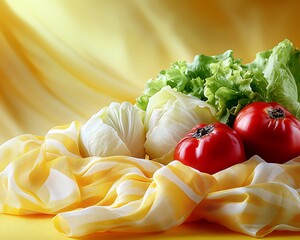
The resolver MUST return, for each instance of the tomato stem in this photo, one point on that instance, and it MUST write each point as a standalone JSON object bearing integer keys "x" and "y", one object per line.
{"x": 200, "y": 132}
{"x": 276, "y": 113}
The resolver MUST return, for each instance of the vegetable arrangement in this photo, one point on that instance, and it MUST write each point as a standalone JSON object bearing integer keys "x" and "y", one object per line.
{"x": 210, "y": 114}
{"x": 214, "y": 114}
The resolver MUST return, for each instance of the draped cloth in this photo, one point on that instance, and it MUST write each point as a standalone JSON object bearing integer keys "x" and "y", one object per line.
{"x": 47, "y": 175}
{"x": 63, "y": 60}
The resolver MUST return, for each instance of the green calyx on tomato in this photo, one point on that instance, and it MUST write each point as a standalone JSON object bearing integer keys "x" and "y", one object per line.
{"x": 269, "y": 131}
{"x": 210, "y": 148}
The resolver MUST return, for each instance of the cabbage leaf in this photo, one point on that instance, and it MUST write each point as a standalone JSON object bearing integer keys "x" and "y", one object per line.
{"x": 117, "y": 129}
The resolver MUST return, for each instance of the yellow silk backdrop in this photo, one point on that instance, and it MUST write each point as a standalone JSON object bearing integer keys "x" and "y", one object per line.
{"x": 62, "y": 60}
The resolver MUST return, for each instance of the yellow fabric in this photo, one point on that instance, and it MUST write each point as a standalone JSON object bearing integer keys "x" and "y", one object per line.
{"x": 62, "y": 60}
{"x": 47, "y": 175}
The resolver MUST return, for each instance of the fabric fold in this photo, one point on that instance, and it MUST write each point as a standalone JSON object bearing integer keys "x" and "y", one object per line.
{"x": 142, "y": 203}
{"x": 48, "y": 175}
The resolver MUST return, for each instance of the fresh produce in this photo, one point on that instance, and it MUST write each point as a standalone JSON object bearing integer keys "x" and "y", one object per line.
{"x": 210, "y": 89}
{"x": 169, "y": 116}
{"x": 115, "y": 130}
{"x": 219, "y": 80}
{"x": 268, "y": 130}
{"x": 228, "y": 85}
{"x": 210, "y": 148}
{"x": 281, "y": 68}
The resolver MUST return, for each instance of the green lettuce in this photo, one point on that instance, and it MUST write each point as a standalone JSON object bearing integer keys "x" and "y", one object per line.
{"x": 220, "y": 80}
{"x": 228, "y": 85}
{"x": 281, "y": 68}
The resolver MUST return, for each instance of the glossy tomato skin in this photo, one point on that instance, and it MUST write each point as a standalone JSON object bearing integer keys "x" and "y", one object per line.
{"x": 275, "y": 139}
{"x": 213, "y": 152}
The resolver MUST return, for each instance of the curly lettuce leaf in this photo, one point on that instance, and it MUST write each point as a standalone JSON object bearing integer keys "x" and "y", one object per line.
{"x": 281, "y": 68}
{"x": 230, "y": 88}
{"x": 188, "y": 78}
{"x": 221, "y": 80}
{"x": 174, "y": 77}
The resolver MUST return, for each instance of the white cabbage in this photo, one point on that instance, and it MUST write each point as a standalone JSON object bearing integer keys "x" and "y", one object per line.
{"x": 115, "y": 130}
{"x": 170, "y": 115}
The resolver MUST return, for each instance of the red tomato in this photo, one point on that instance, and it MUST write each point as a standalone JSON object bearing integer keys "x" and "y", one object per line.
{"x": 268, "y": 130}
{"x": 210, "y": 148}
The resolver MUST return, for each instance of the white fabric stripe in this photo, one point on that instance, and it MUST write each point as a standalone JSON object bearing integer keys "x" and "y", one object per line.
{"x": 167, "y": 173}
{"x": 59, "y": 186}
{"x": 60, "y": 147}
{"x": 14, "y": 188}
{"x": 71, "y": 132}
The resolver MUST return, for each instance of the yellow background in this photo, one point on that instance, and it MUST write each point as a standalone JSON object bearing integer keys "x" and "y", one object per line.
{"x": 40, "y": 228}
{"x": 62, "y": 60}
